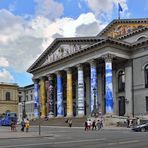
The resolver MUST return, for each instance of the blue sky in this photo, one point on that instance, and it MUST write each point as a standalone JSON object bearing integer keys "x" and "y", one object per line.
{"x": 29, "y": 26}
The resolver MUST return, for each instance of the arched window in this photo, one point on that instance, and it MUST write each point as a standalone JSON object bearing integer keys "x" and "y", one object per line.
{"x": 7, "y": 96}
{"x": 146, "y": 76}
{"x": 121, "y": 81}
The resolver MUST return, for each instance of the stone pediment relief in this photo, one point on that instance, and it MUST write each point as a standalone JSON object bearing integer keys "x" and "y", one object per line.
{"x": 118, "y": 30}
{"x": 63, "y": 51}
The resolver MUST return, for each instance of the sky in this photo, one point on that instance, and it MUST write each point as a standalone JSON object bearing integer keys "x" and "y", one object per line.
{"x": 28, "y": 27}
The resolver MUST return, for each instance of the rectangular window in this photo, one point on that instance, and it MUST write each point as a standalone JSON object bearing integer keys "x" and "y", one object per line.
{"x": 20, "y": 99}
{"x": 147, "y": 104}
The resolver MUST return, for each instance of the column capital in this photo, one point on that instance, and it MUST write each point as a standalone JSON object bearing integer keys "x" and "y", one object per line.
{"x": 108, "y": 57}
{"x": 58, "y": 73}
{"x": 35, "y": 80}
{"x": 68, "y": 70}
{"x": 79, "y": 66}
{"x": 42, "y": 78}
{"x": 49, "y": 76}
{"x": 92, "y": 62}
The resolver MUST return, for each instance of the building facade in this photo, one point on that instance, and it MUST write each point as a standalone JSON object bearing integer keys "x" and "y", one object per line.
{"x": 26, "y": 102}
{"x": 107, "y": 73}
{"x": 8, "y": 97}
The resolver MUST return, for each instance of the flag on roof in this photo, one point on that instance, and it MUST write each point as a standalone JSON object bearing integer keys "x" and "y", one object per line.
{"x": 119, "y": 7}
{"x": 119, "y": 10}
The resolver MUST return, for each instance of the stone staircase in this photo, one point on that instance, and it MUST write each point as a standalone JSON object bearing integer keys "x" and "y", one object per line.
{"x": 76, "y": 122}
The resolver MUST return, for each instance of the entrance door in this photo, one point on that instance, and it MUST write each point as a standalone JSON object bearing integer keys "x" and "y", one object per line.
{"x": 121, "y": 106}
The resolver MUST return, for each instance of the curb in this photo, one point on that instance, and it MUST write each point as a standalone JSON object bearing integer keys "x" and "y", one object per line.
{"x": 25, "y": 137}
{"x": 105, "y": 127}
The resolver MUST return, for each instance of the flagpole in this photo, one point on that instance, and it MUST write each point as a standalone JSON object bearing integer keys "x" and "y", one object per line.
{"x": 118, "y": 14}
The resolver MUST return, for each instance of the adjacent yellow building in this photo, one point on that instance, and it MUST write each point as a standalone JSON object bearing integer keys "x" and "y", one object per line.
{"x": 8, "y": 97}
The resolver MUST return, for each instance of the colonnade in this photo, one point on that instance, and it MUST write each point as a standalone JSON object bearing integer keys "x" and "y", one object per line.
{"x": 47, "y": 95}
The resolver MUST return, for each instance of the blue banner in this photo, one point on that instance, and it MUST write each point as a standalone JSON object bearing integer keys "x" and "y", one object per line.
{"x": 109, "y": 88}
{"x": 36, "y": 100}
{"x": 60, "y": 110}
{"x": 93, "y": 88}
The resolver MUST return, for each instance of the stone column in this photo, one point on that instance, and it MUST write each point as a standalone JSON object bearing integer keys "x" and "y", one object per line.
{"x": 108, "y": 83}
{"x": 80, "y": 91}
{"x": 128, "y": 89}
{"x": 69, "y": 94}
{"x": 43, "y": 97}
{"x": 60, "y": 109}
{"x": 50, "y": 97}
{"x": 36, "y": 98}
{"x": 94, "y": 88}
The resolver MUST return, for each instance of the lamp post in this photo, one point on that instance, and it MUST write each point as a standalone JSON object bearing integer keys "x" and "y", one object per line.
{"x": 39, "y": 112}
{"x": 94, "y": 91}
{"x": 23, "y": 109}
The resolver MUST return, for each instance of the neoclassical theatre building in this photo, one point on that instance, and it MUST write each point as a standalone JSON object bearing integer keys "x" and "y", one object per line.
{"x": 108, "y": 73}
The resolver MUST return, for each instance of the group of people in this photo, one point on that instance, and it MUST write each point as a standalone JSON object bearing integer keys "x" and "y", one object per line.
{"x": 25, "y": 124}
{"x": 96, "y": 124}
{"x": 132, "y": 122}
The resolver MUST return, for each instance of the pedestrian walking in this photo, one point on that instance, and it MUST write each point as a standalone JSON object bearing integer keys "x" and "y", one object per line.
{"x": 138, "y": 121}
{"x": 85, "y": 125}
{"x": 89, "y": 124}
{"x": 94, "y": 125}
{"x": 22, "y": 125}
{"x": 12, "y": 125}
{"x": 128, "y": 122}
{"x": 98, "y": 124}
{"x": 27, "y": 125}
{"x": 15, "y": 124}
{"x": 70, "y": 122}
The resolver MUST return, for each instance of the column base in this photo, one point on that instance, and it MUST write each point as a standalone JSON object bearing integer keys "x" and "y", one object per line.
{"x": 109, "y": 115}
{"x": 69, "y": 116}
{"x": 51, "y": 115}
{"x": 42, "y": 116}
{"x": 59, "y": 116}
{"x": 80, "y": 116}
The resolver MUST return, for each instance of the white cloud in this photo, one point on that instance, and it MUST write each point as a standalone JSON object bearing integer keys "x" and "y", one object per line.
{"x": 5, "y": 76}
{"x": 3, "y": 62}
{"x": 66, "y": 27}
{"x": 17, "y": 42}
{"x": 22, "y": 42}
{"x": 105, "y": 7}
{"x": 11, "y": 26}
{"x": 49, "y": 8}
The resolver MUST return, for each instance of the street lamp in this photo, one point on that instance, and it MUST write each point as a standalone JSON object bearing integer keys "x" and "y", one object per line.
{"x": 94, "y": 91}
{"x": 23, "y": 109}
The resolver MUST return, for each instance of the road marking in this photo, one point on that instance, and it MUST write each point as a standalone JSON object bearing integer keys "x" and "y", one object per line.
{"x": 124, "y": 142}
{"x": 52, "y": 143}
{"x": 76, "y": 141}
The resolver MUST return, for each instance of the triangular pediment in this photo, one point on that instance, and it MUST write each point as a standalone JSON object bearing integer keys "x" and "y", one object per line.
{"x": 62, "y": 48}
{"x": 119, "y": 28}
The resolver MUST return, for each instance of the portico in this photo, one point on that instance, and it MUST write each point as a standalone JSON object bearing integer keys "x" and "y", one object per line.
{"x": 75, "y": 76}
{"x": 70, "y": 88}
